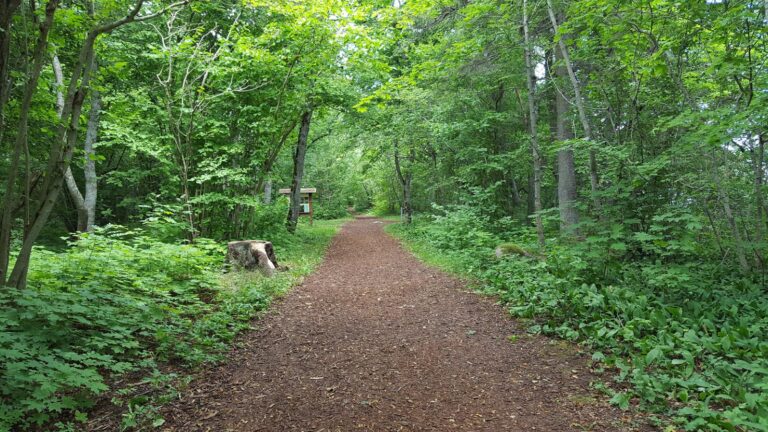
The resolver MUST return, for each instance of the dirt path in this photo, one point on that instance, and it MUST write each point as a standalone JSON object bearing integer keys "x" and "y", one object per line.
{"x": 376, "y": 341}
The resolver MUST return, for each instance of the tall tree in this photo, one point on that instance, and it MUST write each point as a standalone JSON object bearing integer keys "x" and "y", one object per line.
{"x": 298, "y": 170}
{"x": 7, "y": 10}
{"x": 530, "y": 79}
{"x": 405, "y": 176}
{"x": 566, "y": 169}
{"x": 85, "y": 203}
{"x": 66, "y": 135}
{"x": 580, "y": 106}
{"x": 30, "y": 87}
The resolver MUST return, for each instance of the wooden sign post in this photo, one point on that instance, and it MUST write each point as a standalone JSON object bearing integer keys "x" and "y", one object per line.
{"x": 306, "y": 201}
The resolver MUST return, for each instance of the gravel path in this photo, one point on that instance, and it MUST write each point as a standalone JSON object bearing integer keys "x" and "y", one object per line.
{"x": 376, "y": 341}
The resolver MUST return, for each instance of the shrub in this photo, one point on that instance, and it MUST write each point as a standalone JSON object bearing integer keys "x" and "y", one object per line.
{"x": 269, "y": 220}
{"x": 119, "y": 301}
{"x": 329, "y": 210}
{"x": 687, "y": 338}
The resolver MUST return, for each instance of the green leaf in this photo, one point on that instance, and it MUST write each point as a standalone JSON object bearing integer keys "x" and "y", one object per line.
{"x": 653, "y": 355}
{"x": 621, "y": 399}
{"x": 619, "y": 246}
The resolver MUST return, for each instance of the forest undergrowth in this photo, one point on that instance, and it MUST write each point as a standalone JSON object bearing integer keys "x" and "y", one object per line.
{"x": 684, "y": 338}
{"x": 120, "y": 303}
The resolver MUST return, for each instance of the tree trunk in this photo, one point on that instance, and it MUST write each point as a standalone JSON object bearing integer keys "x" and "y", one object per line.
{"x": 725, "y": 202}
{"x": 408, "y": 200}
{"x": 86, "y": 206}
{"x": 532, "y": 123}
{"x": 268, "y": 192}
{"x": 7, "y": 9}
{"x": 6, "y": 222}
{"x": 566, "y": 170}
{"x": 566, "y": 191}
{"x": 529, "y": 201}
{"x": 58, "y": 164}
{"x": 759, "y": 157}
{"x": 594, "y": 179}
{"x": 69, "y": 178}
{"x": 405, "y": 182}
{"x": 266, "y": 167}
{"x": 298, "y": 171}
{"x": 516, "y": 200}
{"x": 66, "y": 137}
{"x": 252, "y": 255}
{"x": 91, "y": 179}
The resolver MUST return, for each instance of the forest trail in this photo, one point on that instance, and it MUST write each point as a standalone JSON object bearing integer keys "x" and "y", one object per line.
{"x": 376, "y": 341}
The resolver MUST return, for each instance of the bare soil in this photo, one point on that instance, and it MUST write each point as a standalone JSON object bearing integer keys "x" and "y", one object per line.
{"x": 376, "y": 341}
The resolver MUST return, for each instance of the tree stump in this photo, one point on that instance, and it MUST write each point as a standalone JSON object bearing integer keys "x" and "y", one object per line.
{"x": 252, "y": 255}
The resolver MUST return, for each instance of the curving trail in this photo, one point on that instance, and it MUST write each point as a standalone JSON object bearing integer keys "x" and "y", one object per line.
{"x": 376, "y": 341}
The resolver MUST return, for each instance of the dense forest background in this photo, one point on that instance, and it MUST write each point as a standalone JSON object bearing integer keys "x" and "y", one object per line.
{"x": 611, "y": 152}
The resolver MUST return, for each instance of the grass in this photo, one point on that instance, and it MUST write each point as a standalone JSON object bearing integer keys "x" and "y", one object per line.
{"x": 297, "y": 256}
{"x": 426, "y": 252}
{"x": 389, "y": 218}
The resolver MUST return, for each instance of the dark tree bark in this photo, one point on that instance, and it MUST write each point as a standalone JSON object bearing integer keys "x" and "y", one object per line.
{"x": 530, "y": 206}
{"x": 66, "y": 134}
{"x": 406, "y": 180}
{"x": 7, "y": 9}
{"x": 298, "y": 171}
{"x": 38, "y": 59}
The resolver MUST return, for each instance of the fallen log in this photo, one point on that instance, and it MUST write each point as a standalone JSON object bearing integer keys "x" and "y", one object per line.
{"x": 253, "y": 255}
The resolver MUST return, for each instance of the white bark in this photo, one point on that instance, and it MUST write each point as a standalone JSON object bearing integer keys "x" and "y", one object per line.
{"x": 85, "y": 205}
{"x": 69, "y": 178}
{"x": 268, "y": 192}
{"x": 91, "y": 178}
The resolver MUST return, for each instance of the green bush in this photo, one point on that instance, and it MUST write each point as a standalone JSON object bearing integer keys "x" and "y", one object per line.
{"x": 269, "y": 220}
{"x": 684, "y": 337}
{"x": 112, "y": 303}
{"x": 119, "y": 301}
{"x": 329, "y": 210}
{"x": 383, "y": 207}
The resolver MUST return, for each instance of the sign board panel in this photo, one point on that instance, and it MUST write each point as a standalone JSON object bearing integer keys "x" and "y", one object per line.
{"x": 287, "y": 191}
